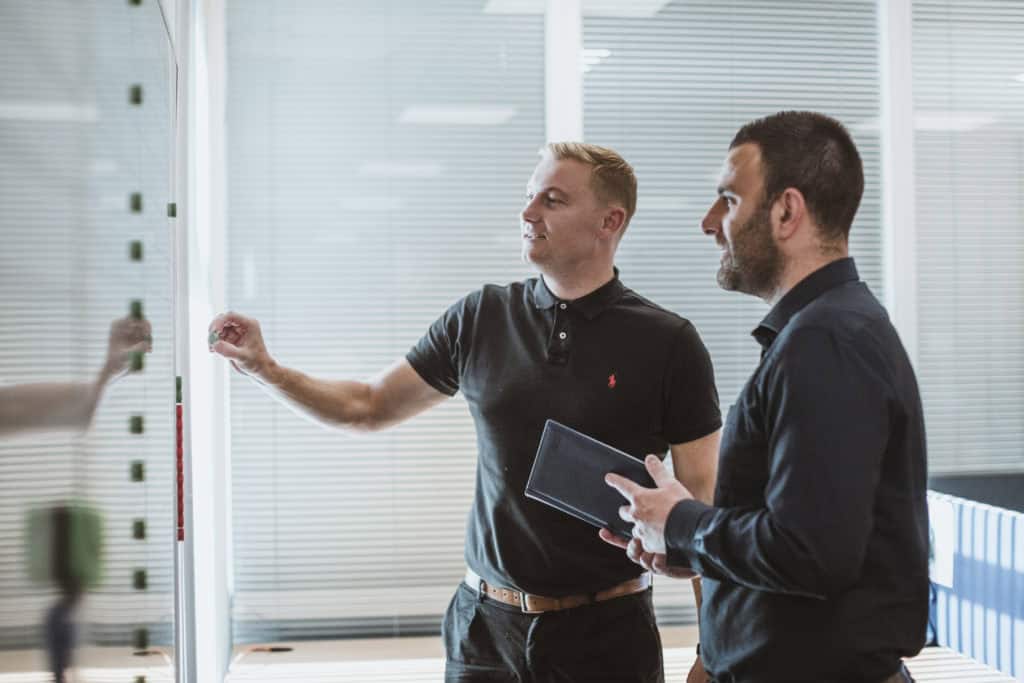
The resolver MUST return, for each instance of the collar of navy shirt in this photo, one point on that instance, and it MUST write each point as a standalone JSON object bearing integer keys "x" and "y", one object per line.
{"x": 590, "y": 305}
{"x": 836, "y": 273}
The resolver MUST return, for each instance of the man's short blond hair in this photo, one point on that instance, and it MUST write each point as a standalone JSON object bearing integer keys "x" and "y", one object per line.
{"x": 611, "y": 177}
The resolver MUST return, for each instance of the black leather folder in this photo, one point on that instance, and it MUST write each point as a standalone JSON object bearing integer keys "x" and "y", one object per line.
{"x": 569, "y": 472}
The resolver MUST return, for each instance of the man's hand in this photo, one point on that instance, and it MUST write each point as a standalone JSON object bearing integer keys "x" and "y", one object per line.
{"x": 697, "y": 673}
{"x": 652, "y": 562}
{"x": 127, "y": 336}
{"x": 240, "y": 340}
{"x": 648, "y": 509}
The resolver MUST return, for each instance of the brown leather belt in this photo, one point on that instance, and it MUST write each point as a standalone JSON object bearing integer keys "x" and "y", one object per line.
{"x": 535, "y": 604}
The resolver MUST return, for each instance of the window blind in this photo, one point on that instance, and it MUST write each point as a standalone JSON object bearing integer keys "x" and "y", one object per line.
{"x": 968, "y": 84}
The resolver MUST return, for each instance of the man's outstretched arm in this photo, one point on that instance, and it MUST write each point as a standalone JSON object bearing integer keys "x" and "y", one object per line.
{"x": 395, "y": 395}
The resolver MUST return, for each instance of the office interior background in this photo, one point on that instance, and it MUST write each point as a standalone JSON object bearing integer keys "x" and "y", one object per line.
{"x": 343, "y": 171}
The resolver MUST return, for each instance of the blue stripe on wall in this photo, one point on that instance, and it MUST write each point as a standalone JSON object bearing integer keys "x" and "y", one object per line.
{"x": 982, "y": 615}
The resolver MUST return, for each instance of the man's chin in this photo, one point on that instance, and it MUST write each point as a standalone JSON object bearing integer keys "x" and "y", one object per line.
{"x": 728, "y": 279}
{"x": 531, "y": 256}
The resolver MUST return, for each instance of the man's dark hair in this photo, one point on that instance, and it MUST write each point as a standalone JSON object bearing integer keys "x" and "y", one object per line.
{"x": 814, "y": 154}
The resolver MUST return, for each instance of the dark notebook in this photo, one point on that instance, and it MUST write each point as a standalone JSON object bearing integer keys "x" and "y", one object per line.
{"x": 569, "y": 471}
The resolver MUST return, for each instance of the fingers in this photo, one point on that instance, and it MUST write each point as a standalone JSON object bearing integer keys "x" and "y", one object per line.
{"x": 634, "y": 551}
{"x": 660, "y": 565}
{"x": 626, "y": 513}
{"x": 227, "y": 350}
{"x": 626, "y": 487}
{"x": 613, "y": 539}
{"x": 232, "y": 334}
{"x": 130, "y": 335}
{"x": 232, "y": 328}
{"x": 231, "y": 319}
{"x": 659, "y": 473}
{"x": 646, "y": 560}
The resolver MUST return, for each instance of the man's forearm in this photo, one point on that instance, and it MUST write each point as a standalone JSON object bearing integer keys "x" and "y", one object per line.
{"x": 48, "y": 407}
{"x": 337, "y": 404}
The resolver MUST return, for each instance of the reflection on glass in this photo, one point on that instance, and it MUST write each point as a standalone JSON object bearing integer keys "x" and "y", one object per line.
{"x": 86, "y": 364}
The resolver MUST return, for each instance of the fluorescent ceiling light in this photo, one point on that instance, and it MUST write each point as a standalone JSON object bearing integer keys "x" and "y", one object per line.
{"x": 623, "y": 9}
{"x": 951, "y": 121}
{"x": 934, "y": 121}
{"x": 515, "y": 6}
{"x": 629, "y": 9}
{"x": 442, "y": 115}
{"x": 591, "y": 57}
{"x": 47, "y": 111}
{"x": 372, "y": 204}
{"x": 399, "y": 169}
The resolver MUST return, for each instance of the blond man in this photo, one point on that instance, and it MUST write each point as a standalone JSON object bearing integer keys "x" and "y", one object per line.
{"x": 543, "y": 598}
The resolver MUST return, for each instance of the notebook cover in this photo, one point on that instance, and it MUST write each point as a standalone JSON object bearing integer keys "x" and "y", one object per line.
{"x": 568, "y": 474}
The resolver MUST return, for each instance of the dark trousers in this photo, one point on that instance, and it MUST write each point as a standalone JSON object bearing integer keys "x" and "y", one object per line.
{"x": 615, "y": 640}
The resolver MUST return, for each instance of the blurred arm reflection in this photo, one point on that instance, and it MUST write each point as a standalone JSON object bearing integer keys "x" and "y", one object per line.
{"x": 69, "y": 406}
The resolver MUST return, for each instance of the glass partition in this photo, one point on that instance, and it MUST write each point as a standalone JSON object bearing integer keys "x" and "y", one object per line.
{"x": 87, "y": 386}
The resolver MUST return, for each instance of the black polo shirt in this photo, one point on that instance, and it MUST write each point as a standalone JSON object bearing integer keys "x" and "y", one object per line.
{"x": 815, "y": 554}
{"x": 610, "y": 364}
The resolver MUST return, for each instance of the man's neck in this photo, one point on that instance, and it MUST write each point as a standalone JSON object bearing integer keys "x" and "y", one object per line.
{"x": 798, "y": 269}
{"x": 572, "y": 286}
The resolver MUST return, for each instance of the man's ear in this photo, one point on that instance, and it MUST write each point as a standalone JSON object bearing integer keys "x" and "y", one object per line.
{"x": 788, "y": 212}
{"x": 614, "y": 221}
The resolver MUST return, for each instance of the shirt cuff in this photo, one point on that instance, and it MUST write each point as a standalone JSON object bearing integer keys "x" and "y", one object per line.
{"x": 680, "y": 529}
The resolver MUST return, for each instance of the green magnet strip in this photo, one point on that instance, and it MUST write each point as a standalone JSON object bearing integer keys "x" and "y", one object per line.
{"x": 139, "y": 580}
{"x": 135, "y": 202}
{"x": 136, "y": 425}
{"x": 138, "y": 471}
{"x": 135, "y": 309}
{"x": 137, "y": 362}
{"x": 139, "y": 530}
{"x": 135, "y": 94}
{"x": 135, "y": 250}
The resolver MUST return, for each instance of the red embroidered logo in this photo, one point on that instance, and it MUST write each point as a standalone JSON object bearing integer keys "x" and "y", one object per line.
{"x": 611, "y": 381}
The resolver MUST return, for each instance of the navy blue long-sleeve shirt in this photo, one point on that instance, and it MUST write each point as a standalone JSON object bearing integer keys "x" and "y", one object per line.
{"x": 815, "y": 553}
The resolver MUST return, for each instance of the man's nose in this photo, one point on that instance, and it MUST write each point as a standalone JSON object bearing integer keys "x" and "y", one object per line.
{"x": 530, "y": 214}
{"x": 711, "y": 224}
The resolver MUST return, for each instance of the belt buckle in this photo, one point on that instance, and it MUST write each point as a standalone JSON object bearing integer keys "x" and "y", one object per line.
{"x": 523, "y": 606}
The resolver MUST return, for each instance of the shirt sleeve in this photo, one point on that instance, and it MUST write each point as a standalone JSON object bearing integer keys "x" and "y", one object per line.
{"x": 691, "y": 398}
{"x": 826, "y": 405}
{"x": 439, "y": 356}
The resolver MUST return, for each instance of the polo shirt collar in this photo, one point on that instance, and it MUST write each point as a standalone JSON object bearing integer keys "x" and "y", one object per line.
{"x": 590, "y": 305}
{"x": 807, "y": 290}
